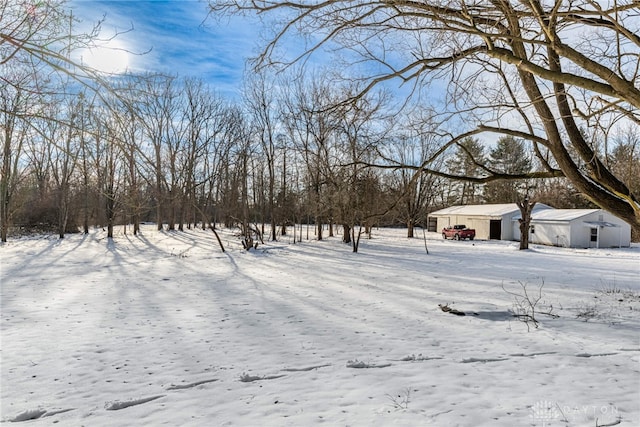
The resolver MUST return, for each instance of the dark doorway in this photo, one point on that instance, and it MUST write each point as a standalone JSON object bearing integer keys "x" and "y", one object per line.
{"x": 432, "y": 224}
{"x": 495, "y": 229}
{"x": 594, "y": 239}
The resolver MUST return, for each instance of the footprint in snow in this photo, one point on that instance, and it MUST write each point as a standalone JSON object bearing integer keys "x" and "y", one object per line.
{"x": 190, "y": 385}
{"x": 30, "y": 414}
{"x": 482, "y": 360}
{"x": 541, "y": 353}
{"x": 116, "y": 405}
{"x": 246, "y": 378}
{"x": 595, "y": 355}
{"x": 34, "y": 414}
{"x": 309, "y": 368}
{"x": 418, "y": 358}
{"x": 357, "y": 364}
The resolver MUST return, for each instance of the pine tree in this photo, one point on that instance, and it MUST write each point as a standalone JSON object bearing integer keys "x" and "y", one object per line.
{"x": 509, "y": 157}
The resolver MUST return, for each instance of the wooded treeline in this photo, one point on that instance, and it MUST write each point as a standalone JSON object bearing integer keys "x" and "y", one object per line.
{"x": 81, "y": 149}
{"x": 172, "y": 151}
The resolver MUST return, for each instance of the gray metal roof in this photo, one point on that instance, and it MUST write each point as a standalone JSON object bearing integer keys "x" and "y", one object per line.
{"x": 495, "y": 210}
{"x": 561, "y": 214}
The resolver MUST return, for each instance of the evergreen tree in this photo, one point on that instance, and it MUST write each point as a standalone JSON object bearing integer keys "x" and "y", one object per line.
{"x": 625, "y": 163}
{"x": 509, "y": 157}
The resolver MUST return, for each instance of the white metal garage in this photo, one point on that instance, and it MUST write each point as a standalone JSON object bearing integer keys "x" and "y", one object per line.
{"x": 576, "y": 228}
{"x": 490, "y": 221}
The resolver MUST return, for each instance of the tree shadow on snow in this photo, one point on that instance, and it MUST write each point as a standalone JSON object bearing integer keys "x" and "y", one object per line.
{"x": 497, "y": 316}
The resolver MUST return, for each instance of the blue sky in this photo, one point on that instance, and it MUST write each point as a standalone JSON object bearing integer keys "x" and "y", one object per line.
{"x": 178, "y": 37}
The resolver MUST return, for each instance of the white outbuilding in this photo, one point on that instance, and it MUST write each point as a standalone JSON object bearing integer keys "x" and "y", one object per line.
{"x": 493, "y": 221}
{"x": 576, "y": 228}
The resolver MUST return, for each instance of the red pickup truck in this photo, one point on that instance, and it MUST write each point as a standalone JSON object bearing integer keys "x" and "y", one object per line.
{"x": 458, "y": 232}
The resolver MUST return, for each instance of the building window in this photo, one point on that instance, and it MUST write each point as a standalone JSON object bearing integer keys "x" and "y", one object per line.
{"x": 594, "y": 234}
{"x": 532, "y": 229}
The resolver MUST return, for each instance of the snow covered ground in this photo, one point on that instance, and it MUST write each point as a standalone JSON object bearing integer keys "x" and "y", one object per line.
{"x": 165, "y": 329}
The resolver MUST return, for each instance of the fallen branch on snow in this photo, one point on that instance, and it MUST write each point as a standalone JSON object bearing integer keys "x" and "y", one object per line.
{"x": 448, "y": 309}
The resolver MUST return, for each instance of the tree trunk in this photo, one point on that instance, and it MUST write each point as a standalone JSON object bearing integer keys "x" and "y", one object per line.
{"x": 213, "y": 228}
{"x": 272, "y": 214}
{"x": 526, "y": 208}
{"x": 63, "y": 211}
{"x": 4, "y": 227}
{"x": 172, "y": 211}
{"x": 4, "y": 208}
{"x": 356, "y": 238}
{"x": 110, "y": 213}
{"x": 136, "y": 224}
{"x": 346, "y": 235}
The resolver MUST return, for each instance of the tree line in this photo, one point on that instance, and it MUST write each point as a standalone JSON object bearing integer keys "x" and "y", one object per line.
{"x": 562, "y": 76}
{"x": 170, "y": 150}
{"x": 81, "y": 149}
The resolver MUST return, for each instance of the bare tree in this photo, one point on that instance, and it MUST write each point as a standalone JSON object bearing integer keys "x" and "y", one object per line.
{"x": 36, "y": 40}
{"x": 359, "y": 132}
{"x": 14, "y": 102}
{"x": 465, "y": 162}
{"x": 204, "y": 117}
{"x": 244, "y": 150}
{"x": 311, "y": 125}
{"x": 416, "y": 194}
{"x": 511, "y": 68}
{"x": 63, "y": 155}
{"x": 85, "y": 117}
{"x": 220, "y": 138}
{"x": 131, "y": 139}
{"x": 38, "y": 154}
{"x": 260, "y": 97}
{"x": 118, "y": 134}
{"x": 41, "y": 40}
{"x": 43, "y": 36}
{"x": 37, "y": 35}
{"x": 156, "y": 108}
{"x": 231, "y": 174}
{"x": 111, "y": 149}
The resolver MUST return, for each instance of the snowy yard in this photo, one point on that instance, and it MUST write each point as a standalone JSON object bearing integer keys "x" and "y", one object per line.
{"x": 165, "y": 329}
